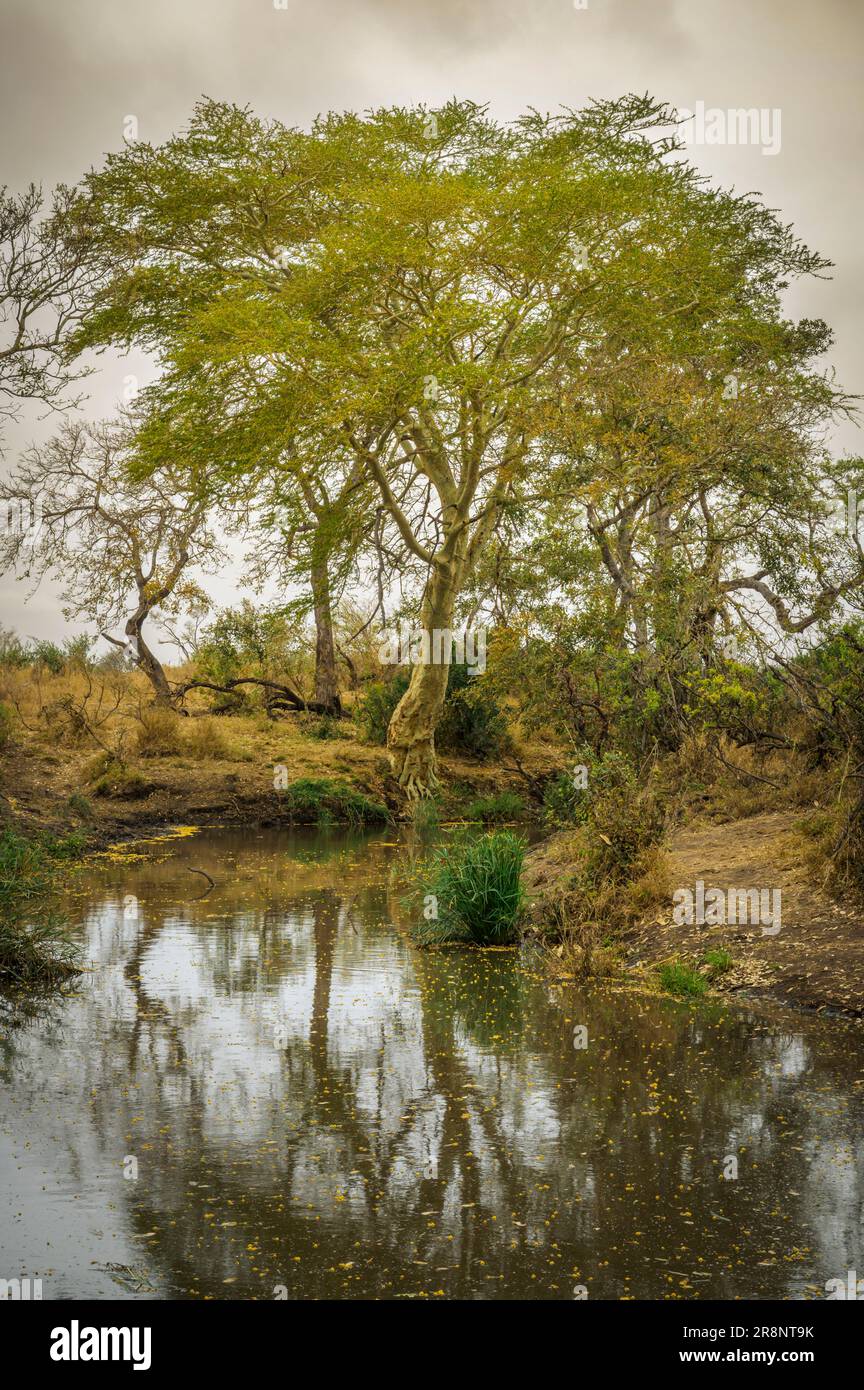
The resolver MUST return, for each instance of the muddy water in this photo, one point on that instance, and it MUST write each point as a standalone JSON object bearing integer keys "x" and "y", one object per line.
{"x": 265, "y": 1091}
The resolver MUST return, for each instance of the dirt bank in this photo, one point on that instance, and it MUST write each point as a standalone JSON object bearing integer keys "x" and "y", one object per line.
{"x": 45, "y": 788}
{"x": 815, "y": 961}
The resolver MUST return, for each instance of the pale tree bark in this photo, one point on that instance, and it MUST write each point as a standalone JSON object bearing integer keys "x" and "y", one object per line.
{"x": 411, "y": 733}
{"x": 464, "y": 534}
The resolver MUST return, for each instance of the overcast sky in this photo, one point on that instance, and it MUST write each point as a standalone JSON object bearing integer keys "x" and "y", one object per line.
{"x": 72, "y": 71}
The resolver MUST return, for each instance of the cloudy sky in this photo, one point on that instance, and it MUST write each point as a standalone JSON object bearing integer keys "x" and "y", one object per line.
{"x": 73, "y": 71}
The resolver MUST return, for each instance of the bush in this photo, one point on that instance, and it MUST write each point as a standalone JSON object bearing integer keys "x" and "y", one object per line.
{"x": 564, "y": 803}
{"x": 35, "y": 945}
{"x": 204, "y": 739}
{"x": 320, "y": 801}
{"x": 474, "y": 887}
{"x": 471, "y": 721}
{"x": 376, "y": 705}
{"x": 13, "y": 652}
{"x": 5, "y": 726}
{"x": 321, "y": 727}
{"x": 47, "y": 654}
{"x": 159, "y": 734}
{"x": 109, "y": 777}
{"x": 80, "y": 805}
{"x": 494, "y": 810}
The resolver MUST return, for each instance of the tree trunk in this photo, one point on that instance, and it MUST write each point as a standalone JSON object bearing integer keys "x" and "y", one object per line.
{"x": 326, "y": 683}
{"x": 411, "y": 735}
{"x": 150, "y": 664}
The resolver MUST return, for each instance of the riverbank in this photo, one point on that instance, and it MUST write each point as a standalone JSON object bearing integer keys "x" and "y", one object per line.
{"x": 237, "y": 775}
{"x": 815, "y": 961}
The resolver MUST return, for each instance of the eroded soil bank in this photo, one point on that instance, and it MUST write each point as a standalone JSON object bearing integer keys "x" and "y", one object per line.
{"x": 815, "y": 961}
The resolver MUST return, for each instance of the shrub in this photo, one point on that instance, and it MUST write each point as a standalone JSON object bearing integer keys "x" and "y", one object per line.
{"x": 108, "y": 776}
{"x": 5, "y": 726}
{"x": 471, "y": 721}
{"x": 80, "y": 805}
{"x": 47, "y": 654}
{"x": 376, "y": 705}
{"x": 474, "y": 886}
{"x": 564, "y": 803}
{"x": 681, "y": 980}
{"x": 35, "y": 945}
{"x": 494, "y": 810}
{"x": 204, "y": 739}
{"x": 320, "y": 801}
{"x": 159, "y": 734}
{"x": 321, "y": 727}
{"x": 13, "y": 652}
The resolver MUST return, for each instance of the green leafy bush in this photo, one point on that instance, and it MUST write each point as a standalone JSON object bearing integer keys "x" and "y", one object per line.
{"x": 472, "y": 721}
{"x": 376, "y": 705}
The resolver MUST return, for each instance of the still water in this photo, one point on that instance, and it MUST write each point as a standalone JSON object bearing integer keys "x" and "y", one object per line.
{"x": 265, "y": 1090}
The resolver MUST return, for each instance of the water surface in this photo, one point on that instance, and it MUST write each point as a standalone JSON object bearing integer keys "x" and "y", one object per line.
{"x": 266, "y": 1090}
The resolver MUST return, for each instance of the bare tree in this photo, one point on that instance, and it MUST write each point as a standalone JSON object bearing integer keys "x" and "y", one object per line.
{"x": 122, "y": 547}
{"x": 45, "y": 276}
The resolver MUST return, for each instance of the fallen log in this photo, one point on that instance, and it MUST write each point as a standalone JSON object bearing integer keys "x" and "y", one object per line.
{"x": 283, "y": 697}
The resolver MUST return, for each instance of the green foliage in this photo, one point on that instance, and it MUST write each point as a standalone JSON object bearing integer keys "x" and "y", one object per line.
{"x": 13, "y": 652}
{"x": 471, "y": 721}
{"x": 6, "y": 725}
{"x": 564, "y": 803}
{"x": 44, "y": 653}
{"x": 35, "y": 943}
{"x": 323, "y": 728}
{"x": 376, "y": 705}
{"x": 321, "y": 801}
{"x": 492, "y": 810}
{"x": 476, "y": 887}
{"x": 719, "y": 962}
{"x": 245, "y": 641}
{"x": 109, "y": 777}
{"x": 80, "y": 805}
{"x": 682, "y": 981}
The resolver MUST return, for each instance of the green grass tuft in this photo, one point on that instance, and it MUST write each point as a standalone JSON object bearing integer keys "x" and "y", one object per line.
{"x": 682, "y": 981}
{"x": 472, "y": 891}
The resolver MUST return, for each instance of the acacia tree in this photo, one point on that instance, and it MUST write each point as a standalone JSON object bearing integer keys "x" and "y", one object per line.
{"x": 424, "y": 291}
{"x": 706, "y": 507}
{"x": 122, "y": 548}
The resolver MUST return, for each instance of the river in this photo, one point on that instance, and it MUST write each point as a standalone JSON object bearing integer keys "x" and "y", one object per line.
{"x": 265, "y": 1090}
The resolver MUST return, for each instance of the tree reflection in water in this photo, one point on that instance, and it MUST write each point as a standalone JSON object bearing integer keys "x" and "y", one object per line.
{"x": 319, "y": 1108}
